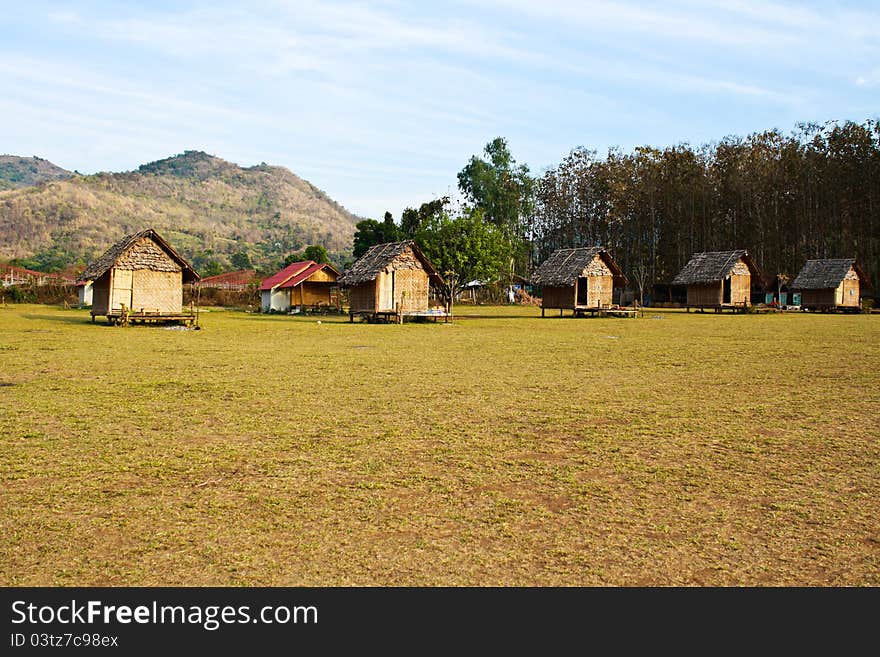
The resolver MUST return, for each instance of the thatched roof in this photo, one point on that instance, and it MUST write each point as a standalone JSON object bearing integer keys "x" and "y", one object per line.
{"x": 713, "y": 267}
{"x": 564, "y": 266}
{"x": 116, "y": 252}
{"x": 368, "y": 266}
{"x": 826, "y": 274}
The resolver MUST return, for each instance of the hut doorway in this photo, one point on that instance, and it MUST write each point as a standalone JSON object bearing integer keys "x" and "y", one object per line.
{"x": 583, "y": 291}
{"x": 727, "y": 286}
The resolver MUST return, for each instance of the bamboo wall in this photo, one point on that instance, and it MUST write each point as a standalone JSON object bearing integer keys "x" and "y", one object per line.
{"x": 740, "y": 284}
{"x": 120, "y": 288}
{"x": 101, "y": 295}
{"x": 323, "y": 276}
{"x": 705, "y": 295}
{"x": 156, "y": 291}
{"x": 741, "y": 289}
{"x": 362, "y": 297}
{"x": 309, "y": 293}
{"x": 411, "y": 289}
{"x": 557, "y": 297}
{"x": 818, "y": 297}
{"x": 600, "y": 290}
{"x": 849, "y": 290}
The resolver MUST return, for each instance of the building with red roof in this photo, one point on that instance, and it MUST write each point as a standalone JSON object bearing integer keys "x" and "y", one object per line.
{"x": 300, "y": 285}
{"x": 231, "y": 280}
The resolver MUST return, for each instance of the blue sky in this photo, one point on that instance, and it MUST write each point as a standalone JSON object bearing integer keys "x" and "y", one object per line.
{"x": 380, "y": 104}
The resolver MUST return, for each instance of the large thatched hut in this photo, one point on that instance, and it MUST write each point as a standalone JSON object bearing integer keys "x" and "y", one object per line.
{"x": 581, "y": 280}
{"x": 831, "y": 284}
{"x": 298, "y": 286}
{"x": 719, "y": 280}
{"x": 390, "y": 280}
{"x": 139, "y": 277}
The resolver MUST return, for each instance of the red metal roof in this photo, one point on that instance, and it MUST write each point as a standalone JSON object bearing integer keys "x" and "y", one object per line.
{"x": 288, "y": 272}
{"x": 294, "y": 274}
{"x": 240, "y": 277}
{"x": 300, "y": 277}
{"x": 13, "y": 271}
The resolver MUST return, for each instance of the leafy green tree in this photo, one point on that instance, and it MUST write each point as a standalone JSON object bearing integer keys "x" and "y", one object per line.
{"x": 503, "y": 189}
{"x": 241, "y": 260}
{"x": 211, "y": 267}
{"x": 370, "y": 232}
{"x": 464, "y": 248}
{"x": 505, "y": 192}
{"x": 317, "y": 253}
{"x": 412, "y": 221}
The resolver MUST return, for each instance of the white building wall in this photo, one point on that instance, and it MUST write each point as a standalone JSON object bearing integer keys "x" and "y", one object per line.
{"x": 277, "y": 300}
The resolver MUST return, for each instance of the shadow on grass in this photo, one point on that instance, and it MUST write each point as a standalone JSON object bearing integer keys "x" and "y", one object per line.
{"x": 61, "y": 318}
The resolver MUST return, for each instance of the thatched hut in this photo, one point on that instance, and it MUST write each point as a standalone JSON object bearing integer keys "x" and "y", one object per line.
{"x": 391, "y": 280}
{"x": 581, "y": 280}
{"x": 140, "y": 277}
{"x": 298, "y": 286}
{"x": 831, "y": 284}
{"x": 719, "y": 280}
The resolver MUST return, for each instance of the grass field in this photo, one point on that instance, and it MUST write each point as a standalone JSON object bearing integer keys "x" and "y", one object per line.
{"x": 500, "y": 449}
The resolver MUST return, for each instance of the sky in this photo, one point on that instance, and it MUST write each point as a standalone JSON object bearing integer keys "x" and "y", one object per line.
{"x": 380, "y": 104}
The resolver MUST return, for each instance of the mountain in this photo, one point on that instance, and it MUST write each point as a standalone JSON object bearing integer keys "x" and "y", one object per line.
{"x": 16, "y": 171}
{"x": 209, "y": 209}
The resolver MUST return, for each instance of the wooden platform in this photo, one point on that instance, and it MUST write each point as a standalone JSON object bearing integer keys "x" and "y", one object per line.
{"x": 735, "y": 307}
{"x": 125, "y": 318}
{"x": 391, "y": 316}
{"x": 609, "y": 311}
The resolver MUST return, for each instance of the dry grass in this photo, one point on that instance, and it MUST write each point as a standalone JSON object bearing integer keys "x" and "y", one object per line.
{"x": 497, "y": 450}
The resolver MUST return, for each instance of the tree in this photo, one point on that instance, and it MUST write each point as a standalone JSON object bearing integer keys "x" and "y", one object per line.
{"x": 241, "y": 260}
{"x": 505, "y": 192}
{"x": 370, "y": 232}
{"x": 412, "y": 221}
{"x": 317, "y": 253}
{"x": 464, "y": 248}
{"x": 211, "y": 267}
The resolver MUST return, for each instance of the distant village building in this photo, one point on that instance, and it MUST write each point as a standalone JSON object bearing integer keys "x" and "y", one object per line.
{"x": 299, "y": 285}
{"x": 719, "y": 280}
{"x": 391, "y": 280}
{"x": 85, "y": 291}
{"x": 581, "y": 280}
{"x": 831, "y": 284}
{"x": 231, "y": 280}
{"x": 140, "y": 278}
{"x": 12, "y": 275}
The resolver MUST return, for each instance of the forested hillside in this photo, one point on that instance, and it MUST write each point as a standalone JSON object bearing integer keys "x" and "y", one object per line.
{"x": 214, "y": 212}
{"x": 16, "y": 171}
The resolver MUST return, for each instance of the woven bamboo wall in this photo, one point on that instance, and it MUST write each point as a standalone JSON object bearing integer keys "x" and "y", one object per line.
{"x": 600, "y": 290}
{"x": 310, "y": 293}
{"x": 101, "y": 294}
{"x": 741, "y": 289}
{"x": 411, "y": 289}
{"x": 362, "y": 297}
{"x": 704, "y": 295}
{"x": 557, "y": 297}
{"x": 818, "y": 297}
{"x": 849, "y": 289}
{"x": 323, "y": 276}
{"x": 120, "y": 288}
{"x": 157, "y": 291}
